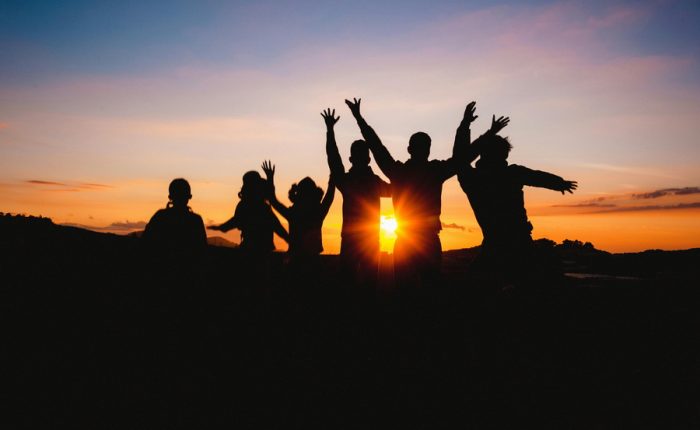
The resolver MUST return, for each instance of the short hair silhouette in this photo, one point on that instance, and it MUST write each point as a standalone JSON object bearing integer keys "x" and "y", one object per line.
{"x": 359, "y": 153}
{"x": 419, "y": 145}
{"x": 176, "y": 229}
{"x": 179, "y": 191}
{"x": 496, "y": 148}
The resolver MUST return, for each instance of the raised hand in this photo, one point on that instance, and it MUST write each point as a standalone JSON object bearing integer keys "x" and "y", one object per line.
{"x": 569, "y": 186}
{"x": 269, "y": 170}
{"x": 469, "y": 116}
{"x": 329, "y": 117}
{"x": 354, "y": 106}
{"x": 499, "y": 124}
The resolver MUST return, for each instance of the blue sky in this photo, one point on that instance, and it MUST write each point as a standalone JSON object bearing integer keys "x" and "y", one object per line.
{"x": 45, "y": 39}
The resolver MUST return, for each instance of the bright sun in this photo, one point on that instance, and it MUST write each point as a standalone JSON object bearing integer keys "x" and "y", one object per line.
{"x": 388, "y": 225}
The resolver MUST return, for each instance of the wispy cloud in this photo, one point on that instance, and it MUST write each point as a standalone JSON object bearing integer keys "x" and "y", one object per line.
{"x": 586, "y": 205}
{"x": 668, "y": 192}
{"x": 454, "y": 226}
{"x": 64, "y": 186}
{"x": 672, "y": 199}
{"x": 40, "y": 182}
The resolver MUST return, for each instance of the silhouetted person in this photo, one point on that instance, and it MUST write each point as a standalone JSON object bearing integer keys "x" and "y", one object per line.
{"x": 176, "y": 229}
{"x": 495, "y": 192}
{"x": 361, "y": 190}
{"x": 417, "y": 195}
{"x": 305, "y": 216}
{"x": 254, "y": 218}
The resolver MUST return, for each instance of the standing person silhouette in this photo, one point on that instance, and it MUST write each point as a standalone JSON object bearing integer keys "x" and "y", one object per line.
{"x": 361, "y": 190}
{"x": 417, "y": 196}
{"x": 495, "y": 191}
{"x": 176, "y": 229}
{"x": 258, "y": 224}
{"x": 174, "y": 242}
{"x": 254, "y": 217}
{"x": 305, "y": 216}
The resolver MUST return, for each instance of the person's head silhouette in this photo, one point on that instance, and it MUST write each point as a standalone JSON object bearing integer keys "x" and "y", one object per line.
{"x": 179, "y": 193}
{"x": 305, "y": 193}
{"x": 419, "y": 146}
{"x": 359, "y": 153}
{"x": 253, "y": 187}
{"x": 496, "y": 148}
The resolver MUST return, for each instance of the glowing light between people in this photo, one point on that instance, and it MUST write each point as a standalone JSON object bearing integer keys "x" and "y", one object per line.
{"x": 388, "y": 225}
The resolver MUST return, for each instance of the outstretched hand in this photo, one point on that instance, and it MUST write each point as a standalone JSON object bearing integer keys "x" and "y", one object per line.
{"x": 269, "y": 170}
{"x": 499, "y": 124}
{"x": 329, "y": 117}
{"x": 569, "y": 186}
{"x": 354, "y": 106}
{"x": 469, "y": 116}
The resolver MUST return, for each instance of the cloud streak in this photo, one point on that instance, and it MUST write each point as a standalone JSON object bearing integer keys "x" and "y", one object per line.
{"x": 668, "y": 192}
{"x": 586, "y": 205}
{"x": 453, "y": 226}
{"x": 73, "y": 187}
{"x": 674, "y": 199}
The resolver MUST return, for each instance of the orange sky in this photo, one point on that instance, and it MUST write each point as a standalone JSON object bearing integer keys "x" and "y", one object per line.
{"x": 94, "y": 123}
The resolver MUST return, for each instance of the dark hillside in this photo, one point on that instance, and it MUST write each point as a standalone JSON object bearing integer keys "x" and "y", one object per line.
{"x": 100, "y": 333}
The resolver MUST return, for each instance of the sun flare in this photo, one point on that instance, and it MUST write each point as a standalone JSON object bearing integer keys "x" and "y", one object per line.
{"x": 388, "y": 224}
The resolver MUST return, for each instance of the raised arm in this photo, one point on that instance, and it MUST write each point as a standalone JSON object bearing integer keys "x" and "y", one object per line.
{"x": 384, "y": 159}
{"x": 328, "y": 197}
{"x": 463, "y": 134}
{"x": 537, "y": 178}
{"x": 269, "y": 170}
{"x": 335, "y": 163}
{"x": 279, "y": 229}
{"x": 496, "y": 126}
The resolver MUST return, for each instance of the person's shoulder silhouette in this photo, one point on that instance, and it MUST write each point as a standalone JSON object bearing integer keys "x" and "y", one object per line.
{"x": 176, "y": 227}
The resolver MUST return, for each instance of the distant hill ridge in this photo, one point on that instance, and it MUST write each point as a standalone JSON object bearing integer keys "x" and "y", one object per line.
{"x": 29, "y": 224}
{"x": 31, "y": 233}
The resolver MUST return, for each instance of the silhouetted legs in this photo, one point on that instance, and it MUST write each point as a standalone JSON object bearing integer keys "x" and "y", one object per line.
{"x": 304, "y": 271}
{"x": 417, "y": 260}
{"x": 359, "y": 261}
{"x": 517, "y": 263}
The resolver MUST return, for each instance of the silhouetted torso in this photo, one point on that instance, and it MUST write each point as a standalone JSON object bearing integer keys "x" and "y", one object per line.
{"x": 305, "y": 224}
{"x": 417, "y": 194}
{"x": 362, "y": 190}
{"x": 257, "y": 223}
{"x": 176, "y": 229}
{"x": 495, "y": 192}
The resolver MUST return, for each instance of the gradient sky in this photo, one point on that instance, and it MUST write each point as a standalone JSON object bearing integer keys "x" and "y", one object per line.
{"x": 103, "y": 103}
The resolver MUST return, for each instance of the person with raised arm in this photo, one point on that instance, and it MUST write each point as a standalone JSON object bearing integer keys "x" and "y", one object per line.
{"x": 495, "y": 191}
{"x": 254, "y": 218}
{"x": 361, "y": 189}
{"x": 305, "y": 217}
{"x": 417, "y": 195}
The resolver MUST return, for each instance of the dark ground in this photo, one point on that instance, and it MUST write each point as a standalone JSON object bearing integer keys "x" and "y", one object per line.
{"x": 97, "y": 334}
